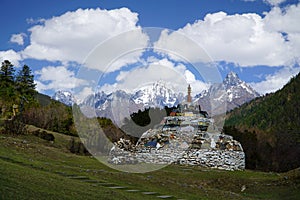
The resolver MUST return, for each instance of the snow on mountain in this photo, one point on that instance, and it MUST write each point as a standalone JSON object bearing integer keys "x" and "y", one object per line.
{"x": 117, "y": 105}
{"x": 236, "y": 88}
{"x": 233, "y": 91}
{"x": 156, "y": 95}
{"x": 96, "y": 100}
{"x": 232, "y": 79}
{"x": 65, "y": 97}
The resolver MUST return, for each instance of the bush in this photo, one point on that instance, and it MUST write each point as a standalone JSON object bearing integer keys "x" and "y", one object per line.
{"x": 44, "y": 135}
{"x": 77, "y": 147}
{"x": 14, "y": 126}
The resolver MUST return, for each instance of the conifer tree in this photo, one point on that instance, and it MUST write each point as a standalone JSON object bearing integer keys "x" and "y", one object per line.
{"x": 25, "y": 82}
{"x": 7, "y": 72}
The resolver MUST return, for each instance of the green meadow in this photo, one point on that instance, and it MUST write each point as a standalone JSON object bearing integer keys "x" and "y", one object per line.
{"x": 33, "y": 168}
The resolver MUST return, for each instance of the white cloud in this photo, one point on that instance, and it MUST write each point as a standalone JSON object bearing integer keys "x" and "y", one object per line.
{"x": 18, "y": 38}
{"x": 286, "y": 22}
{"x": 244, "y": 39}
{"x": 108, "y": 88}
{"x": 57, "y": 78}
{"x": 271, "y": 2}
{"x": 164, "y": 70}
{"x": 71, "y": 36}
{"x": 180, "y": 47}
{"x": 82, "y": 94}
{"x": 175, "y": 76}
{"x": 12, "y": 56}
{"x": 274, "y": 2}
{"x": 118, "y": 51}
{"x": 275, "y": 81}
{"x": 35, "y": 21}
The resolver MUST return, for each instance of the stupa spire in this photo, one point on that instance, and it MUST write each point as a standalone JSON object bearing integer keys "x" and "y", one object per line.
{"x": 189, "y": 97}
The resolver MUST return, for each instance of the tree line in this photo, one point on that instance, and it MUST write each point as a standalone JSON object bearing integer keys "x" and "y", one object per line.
{"x": 269, "y": 129}
{"x": 21, "y": 104}
{"x": 16, "y": 88}
{"x": 141, "y": 121}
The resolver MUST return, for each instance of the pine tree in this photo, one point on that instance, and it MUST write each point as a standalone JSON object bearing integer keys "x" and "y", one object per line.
{"x": 15, "y": 91}
{"x": 7, "y": 73}
{"x": 25, "y": 82}
{"x": 7, "y": 81}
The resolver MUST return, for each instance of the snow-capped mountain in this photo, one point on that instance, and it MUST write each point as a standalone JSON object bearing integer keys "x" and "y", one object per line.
{"x": 96, "y": 100}
{"x": 64, "y": 97}
{"x": 237, "y": 89}
{"x": 117, "y": 105}
{"x": 157, "y": 95}
{"x": 233, "y": 92}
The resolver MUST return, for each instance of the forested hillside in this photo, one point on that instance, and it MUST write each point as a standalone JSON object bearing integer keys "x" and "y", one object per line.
{"x": 22, "y": 105}
{"x": 269, "y": 129}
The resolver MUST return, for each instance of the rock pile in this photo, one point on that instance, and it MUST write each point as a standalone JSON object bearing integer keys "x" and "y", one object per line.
{"x": 181, "y": 141}
{"x": 220, "y": 159}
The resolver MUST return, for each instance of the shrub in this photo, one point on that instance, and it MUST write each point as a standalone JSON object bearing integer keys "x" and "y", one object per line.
{"x": 14, "y": 126}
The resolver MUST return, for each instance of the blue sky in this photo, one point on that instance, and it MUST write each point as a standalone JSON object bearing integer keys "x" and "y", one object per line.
{"x": 258, "y": 39}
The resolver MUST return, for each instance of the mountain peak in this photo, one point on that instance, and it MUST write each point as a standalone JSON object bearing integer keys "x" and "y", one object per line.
{"x": 232, "y": 79}
{"x": 65, "y": 97}
{"x": 234, "y": 92}
{"x": 232, "y": 73}
{"x": 158, "y": 85}
{"x": 157, "y": 94}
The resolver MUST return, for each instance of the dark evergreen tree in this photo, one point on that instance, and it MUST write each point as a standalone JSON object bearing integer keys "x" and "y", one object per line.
{"x": 7, "y": 74}
{"x": 7, "y": 81}
{"x": 25, "y": 83}
{"x": 274, "y": 120}
{"x": 16, "y": 92}
{"x": 144, "y": 120}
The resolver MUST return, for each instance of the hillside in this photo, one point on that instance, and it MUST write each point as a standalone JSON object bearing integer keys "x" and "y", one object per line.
{"x": 32, "y": 168}
{"x": 269, "y": 128}
{"x": 41, "y": 157}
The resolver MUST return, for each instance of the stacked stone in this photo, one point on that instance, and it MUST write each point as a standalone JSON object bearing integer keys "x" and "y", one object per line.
{"x": 220, "y": 159}
{"x": 186, "y": 145}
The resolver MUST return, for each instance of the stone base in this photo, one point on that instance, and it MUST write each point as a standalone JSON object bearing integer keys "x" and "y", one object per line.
{"x": 220, "y": 159}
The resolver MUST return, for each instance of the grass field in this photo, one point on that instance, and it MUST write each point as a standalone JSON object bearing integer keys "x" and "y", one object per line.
{"x": 32, "y": 168}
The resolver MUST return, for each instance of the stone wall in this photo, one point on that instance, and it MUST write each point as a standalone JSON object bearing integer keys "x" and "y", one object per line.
{"x": 220, "y": 159}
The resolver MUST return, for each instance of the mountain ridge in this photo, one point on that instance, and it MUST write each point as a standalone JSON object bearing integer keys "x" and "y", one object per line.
{"x": 65, "y": 97}
{"x": 232, "y": 91}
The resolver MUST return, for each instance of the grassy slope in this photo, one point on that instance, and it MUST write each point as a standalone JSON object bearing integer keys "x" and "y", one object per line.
{"x": 31, "y": 168}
